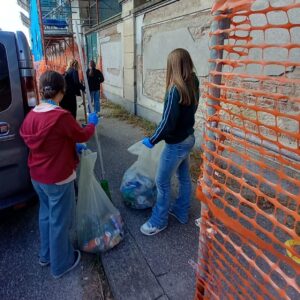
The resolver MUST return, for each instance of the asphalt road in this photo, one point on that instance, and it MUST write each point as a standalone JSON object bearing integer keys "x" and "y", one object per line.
{"x": 139, "y": 268}
{"x": 21, "y": 277}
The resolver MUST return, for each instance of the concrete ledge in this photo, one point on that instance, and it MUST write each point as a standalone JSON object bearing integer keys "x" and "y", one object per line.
{"x": 142, "y": 111}
{"x": 148, "y": 114}
{"x": 128, "y": 105}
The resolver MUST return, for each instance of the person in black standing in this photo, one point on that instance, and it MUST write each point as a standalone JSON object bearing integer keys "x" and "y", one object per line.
{"x": 95, "y": 78}
{"x": 73, "y": 87}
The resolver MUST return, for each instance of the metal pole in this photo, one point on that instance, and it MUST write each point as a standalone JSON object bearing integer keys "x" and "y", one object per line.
{"x": 97, "y": 9}
{"x": 83, "y": 65}
{"x": 79, "y": 44}
{"x": 84, "y": 107}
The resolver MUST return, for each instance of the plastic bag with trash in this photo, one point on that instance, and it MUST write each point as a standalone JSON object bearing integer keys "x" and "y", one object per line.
{"x": 138, "y": 184}
{"x": 99, "y": 223}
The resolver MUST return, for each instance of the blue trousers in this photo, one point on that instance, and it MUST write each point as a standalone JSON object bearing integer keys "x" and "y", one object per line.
{"x": 55, "y": 220}
{"x": 95, "y": 95}
{"x": 174, "y": 158}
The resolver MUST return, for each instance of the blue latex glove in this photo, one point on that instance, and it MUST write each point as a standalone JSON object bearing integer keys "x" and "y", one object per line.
{"x": 93, "y": 119}
{"x": 146, "y": 141}
{"x": 80, "y": 147}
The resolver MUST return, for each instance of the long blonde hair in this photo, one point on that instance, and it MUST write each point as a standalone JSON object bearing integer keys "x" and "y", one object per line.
{"x": 73, "y": 64}
{"x": 180, "y": 72}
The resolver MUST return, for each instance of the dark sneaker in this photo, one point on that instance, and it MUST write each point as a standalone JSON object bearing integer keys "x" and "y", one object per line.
{"x": 75, "y": 264}
{"x": 176, "y": 217}
{"x": 148, "y": 229}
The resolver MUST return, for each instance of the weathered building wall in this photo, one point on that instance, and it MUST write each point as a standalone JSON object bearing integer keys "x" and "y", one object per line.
{"x": 111, "y": 53}
{"x": 134, "y": 56}
{"x": 182, "y": 24}
{"x": 133, "y": 53}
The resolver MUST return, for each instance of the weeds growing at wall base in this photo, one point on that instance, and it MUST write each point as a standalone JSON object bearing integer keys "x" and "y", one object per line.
{"x": 116, "y": 111}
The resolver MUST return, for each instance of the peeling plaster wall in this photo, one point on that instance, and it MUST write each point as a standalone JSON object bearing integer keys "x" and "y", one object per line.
{"x": 183, "y": 24}
{"x": 111, "y": 51}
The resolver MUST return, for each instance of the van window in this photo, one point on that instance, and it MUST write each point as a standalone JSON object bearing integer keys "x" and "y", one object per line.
{"x": 5, "y": 91}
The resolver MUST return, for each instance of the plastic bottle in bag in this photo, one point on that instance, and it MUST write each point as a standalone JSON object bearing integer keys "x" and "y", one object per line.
{"x": 115, "y": 240}
{"x": 107, "y": 238}
{"x": 117, "y": 224}
{"x": 93, "y": 245}
{"x": 99, "y": 223}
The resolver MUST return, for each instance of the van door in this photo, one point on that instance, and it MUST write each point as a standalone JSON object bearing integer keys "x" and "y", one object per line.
{"x": 14, "y": 173}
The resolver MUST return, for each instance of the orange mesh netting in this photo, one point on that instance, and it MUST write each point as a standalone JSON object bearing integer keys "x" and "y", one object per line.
{"x": 250, "y": 190}
{"x": 58, "y": 60}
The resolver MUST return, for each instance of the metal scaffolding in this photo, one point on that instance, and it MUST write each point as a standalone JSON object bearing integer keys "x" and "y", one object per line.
{"x": 56, "y": 27}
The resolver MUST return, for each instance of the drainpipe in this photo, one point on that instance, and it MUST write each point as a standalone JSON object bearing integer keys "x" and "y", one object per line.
{"x": 135, "y": 104}
{"x": 211, "y": 111}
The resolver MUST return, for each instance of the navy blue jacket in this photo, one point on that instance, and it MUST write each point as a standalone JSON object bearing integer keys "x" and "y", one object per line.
{"x": 178, "y": 120}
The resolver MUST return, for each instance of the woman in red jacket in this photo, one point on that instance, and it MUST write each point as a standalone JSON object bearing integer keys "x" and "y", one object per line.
{"x": 51, "y": 133}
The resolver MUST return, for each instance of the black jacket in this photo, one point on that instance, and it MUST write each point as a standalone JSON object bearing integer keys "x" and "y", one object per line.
{"x": 73, "y": 85}
{"x": 95, "y": 80}
{"x": 178, "y": 120}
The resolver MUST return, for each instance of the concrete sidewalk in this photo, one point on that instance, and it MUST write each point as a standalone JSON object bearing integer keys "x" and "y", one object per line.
{"x": 143, "y": 267}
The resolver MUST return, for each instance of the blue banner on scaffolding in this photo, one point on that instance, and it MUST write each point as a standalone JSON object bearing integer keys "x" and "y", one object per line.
{"x": 55, "y": 23}
{"x": 35, "y": 32}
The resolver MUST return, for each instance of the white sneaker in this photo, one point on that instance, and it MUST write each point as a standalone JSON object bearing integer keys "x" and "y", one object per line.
{"x": 44, "y": 263}
{"x": 148, "y": 229}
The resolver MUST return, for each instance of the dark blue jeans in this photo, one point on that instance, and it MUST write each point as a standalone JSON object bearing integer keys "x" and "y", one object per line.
{"x": 174, "y": 158}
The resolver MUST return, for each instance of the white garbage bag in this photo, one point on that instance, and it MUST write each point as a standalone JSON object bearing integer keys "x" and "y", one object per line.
{"x": 138, "y": 185}
{"x": 99, "y": 223}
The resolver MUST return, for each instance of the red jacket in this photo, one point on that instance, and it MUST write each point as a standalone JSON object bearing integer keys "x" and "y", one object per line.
{"x": 51, "y": 137}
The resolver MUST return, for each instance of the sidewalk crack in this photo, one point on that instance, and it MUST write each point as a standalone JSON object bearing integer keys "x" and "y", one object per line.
{"x": 155, "y": 276}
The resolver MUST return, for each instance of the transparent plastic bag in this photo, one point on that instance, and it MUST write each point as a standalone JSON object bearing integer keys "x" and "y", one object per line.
{"x": 138, "y": 184}
{"x": 99, "y": 223}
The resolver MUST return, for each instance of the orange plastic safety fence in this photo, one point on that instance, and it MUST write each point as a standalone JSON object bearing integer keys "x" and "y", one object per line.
{"x": 250, "y": 227}
{"x": 58, "y": 61}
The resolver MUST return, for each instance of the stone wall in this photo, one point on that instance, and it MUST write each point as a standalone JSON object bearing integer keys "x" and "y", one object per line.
{"x": 264, "y": 122}
{"x": 261, "y": 114}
